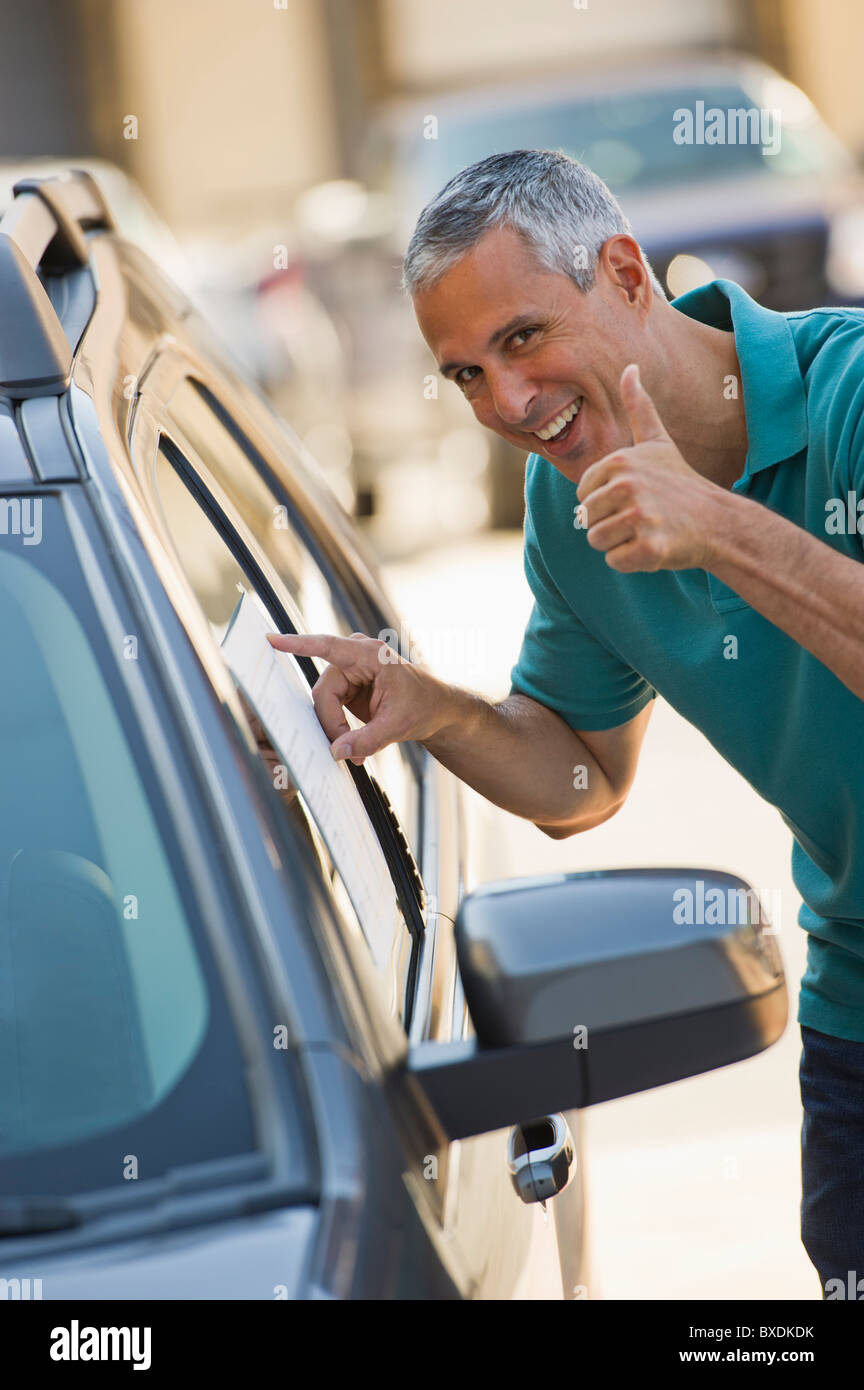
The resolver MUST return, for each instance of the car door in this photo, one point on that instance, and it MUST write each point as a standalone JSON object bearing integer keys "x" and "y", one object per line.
{"x": 239, "y": 518}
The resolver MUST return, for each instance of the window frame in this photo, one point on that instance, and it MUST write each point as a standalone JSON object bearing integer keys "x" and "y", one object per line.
{"x": 294, "y": 477}
{"x": 350, "y": 596}
{"x": 359, "y": 609}
{"x": 155, "y": 432}
{"x": 334, "y": 574}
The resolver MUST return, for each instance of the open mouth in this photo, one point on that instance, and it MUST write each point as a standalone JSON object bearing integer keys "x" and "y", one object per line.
{"x": 560, "y": 431}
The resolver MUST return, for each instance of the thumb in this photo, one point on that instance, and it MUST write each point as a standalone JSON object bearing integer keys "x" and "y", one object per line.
{"x": 645, "y": 423}
{"x": 358, "y": 744}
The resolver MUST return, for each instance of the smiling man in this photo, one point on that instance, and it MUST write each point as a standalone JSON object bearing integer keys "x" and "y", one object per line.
{"x": 683, "y": 459}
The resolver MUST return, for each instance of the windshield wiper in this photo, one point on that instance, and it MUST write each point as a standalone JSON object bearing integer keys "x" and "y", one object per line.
{"x": 29, "y": 1216}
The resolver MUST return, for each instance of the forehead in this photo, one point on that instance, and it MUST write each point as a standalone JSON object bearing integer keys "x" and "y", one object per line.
{"x": 495, "y": 281}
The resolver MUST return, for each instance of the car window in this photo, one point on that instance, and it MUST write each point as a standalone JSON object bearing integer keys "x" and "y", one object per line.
{"x": 396, "y": 971}
{"x": 625, "y": 137}
{"x": 220, "y": 582}
{"x": 272, "y": 522}
{"x": 112, "y": 1018}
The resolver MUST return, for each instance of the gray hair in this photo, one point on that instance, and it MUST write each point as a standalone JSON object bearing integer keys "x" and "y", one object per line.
{"x": 561, "y": 209}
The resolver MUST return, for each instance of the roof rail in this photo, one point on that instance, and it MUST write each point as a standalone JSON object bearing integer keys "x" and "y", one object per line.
{"x": 43, "y": 230}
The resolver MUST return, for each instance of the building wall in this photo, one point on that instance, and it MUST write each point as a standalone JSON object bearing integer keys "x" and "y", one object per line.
{"x": 232, "y": 103}
{"x": 428, "y": 43}
{"x": 242, "y": 103}
{"x": 824, "y": 44}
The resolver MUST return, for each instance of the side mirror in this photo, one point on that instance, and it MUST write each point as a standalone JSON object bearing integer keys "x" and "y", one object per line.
{"x": 584, "y": 987}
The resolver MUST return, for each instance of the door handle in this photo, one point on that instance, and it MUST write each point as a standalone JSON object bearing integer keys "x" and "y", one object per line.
{"x": 540, "y": 1157}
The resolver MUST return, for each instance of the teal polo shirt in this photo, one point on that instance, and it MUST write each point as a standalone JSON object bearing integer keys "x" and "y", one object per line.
{"x": 599, "y": 645}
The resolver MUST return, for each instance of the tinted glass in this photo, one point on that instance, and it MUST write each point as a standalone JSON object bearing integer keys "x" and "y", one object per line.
{"x": 114, "y": 1034}
{"x": 272, "y": 523}
{"x": 219, "y": 580}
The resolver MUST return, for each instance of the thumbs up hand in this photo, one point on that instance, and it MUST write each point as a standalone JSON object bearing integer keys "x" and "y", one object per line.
{"x": 644, "y": 505}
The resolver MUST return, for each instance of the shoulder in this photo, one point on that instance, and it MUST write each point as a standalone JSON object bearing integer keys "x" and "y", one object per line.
{"x": 829, "y": 344}
{"x": 828, "y": 339}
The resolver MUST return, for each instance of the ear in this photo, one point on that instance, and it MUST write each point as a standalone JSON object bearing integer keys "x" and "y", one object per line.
{"x": 621, "y": 259}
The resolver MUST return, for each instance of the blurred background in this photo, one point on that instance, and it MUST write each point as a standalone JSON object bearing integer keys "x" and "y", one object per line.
{"x": 273, "y": 155}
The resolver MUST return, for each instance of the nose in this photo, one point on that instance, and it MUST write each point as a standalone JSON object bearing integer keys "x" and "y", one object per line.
{"x": 512, "y": 397}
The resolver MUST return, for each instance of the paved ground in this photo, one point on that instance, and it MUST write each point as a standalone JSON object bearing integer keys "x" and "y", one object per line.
{"x": 693, "y": 1188}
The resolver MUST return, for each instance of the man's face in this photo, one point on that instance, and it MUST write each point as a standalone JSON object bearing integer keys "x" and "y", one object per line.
{"x": 526, "y": 346}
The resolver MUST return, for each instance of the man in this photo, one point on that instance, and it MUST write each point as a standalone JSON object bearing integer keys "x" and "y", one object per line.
{"x": 691, "y": 528}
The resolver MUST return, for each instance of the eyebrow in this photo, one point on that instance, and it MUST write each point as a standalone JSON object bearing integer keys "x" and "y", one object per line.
{"x": 519, "y": 321}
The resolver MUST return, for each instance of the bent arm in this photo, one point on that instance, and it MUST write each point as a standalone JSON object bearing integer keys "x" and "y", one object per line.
{"x": 526, "y": 759}
{"x": 517, "y": 753}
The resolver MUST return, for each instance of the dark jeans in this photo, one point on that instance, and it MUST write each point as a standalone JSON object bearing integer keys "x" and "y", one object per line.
{"x": 832, "y": 1160}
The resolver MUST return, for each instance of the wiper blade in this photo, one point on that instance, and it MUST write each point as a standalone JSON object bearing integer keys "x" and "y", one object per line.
{"x": 27, "y": 1217}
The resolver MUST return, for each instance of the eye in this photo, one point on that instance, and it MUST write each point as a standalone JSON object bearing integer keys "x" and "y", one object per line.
{"x": 460, "y": 378}
{"x": 520, "y": 333}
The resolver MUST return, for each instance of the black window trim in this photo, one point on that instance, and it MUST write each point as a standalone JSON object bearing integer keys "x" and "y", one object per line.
{"x": 339, "y": 578}
{"x": 403, "y": 868}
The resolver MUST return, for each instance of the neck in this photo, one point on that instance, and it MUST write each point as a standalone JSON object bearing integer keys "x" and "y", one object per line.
{"x": 699, "y": 395}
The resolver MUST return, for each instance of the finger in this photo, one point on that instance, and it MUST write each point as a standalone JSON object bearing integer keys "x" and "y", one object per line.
{"x": 630, "y": 557}
{"x": 358, "y": 744}
{"x": 330, "y": 694}
{"x": 346, "y": 652}
{"x": 615, "y": 530}
{"x": 645, "y": 423}
{"x": 608, "y": 499}
{"x": 597, "y": 475}
{"x": 592, "y": 478}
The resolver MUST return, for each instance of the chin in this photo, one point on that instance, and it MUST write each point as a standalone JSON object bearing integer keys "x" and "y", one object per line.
{"x": 575, "y": 464}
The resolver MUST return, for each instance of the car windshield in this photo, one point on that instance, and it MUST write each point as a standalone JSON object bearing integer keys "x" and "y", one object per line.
{"x": 628, "y": 139}
{"x": 117, "y": 1051}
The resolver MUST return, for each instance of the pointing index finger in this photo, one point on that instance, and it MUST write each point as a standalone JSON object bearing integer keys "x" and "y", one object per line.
{"x": 344, "y": 652}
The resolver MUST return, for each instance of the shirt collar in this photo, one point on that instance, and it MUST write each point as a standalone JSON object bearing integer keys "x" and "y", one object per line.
{"x": 775, "y": 402}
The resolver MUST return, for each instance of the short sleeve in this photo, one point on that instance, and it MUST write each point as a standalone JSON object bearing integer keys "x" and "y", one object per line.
{"x": 564, "y": 666}
{"x": 836, "y": 382}
{"x": 850, "y": 476}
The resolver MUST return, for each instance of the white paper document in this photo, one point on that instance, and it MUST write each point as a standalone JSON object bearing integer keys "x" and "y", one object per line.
{"x": 275, "y": 687}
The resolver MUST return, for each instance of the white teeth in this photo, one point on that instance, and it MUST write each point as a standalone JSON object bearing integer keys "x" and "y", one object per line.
{"x": 557, "y": 425}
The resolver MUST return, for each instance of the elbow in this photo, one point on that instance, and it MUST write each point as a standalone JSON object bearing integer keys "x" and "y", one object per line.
{"x": 558, "y": 832}
{"x": 562, "y": 830}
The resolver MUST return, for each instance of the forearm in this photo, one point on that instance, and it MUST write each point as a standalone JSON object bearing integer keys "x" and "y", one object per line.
{"x": 525, "y": 759}
{"x": 797, "y": 581}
